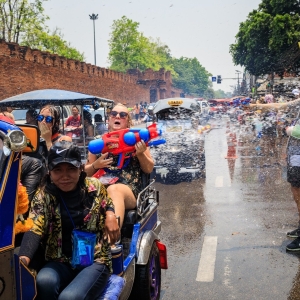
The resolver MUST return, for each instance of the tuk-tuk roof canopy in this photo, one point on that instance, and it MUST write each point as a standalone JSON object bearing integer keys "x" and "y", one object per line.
{"x": 51, "y": 96}
{"x": 187, "y": 103}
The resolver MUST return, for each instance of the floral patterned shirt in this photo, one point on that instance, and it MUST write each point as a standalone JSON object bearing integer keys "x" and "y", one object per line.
{"x": 130, "y": 174}
{"x": 45, "y": 212}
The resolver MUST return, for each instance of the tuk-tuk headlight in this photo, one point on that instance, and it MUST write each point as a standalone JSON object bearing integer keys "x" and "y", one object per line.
{"x": 16, "y": 140}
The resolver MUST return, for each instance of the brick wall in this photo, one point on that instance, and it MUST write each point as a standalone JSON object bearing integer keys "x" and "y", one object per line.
{"x": 23, "y": 69}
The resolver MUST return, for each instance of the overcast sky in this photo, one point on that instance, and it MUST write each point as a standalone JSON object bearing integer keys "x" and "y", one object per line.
{"x": 191, "y": 28}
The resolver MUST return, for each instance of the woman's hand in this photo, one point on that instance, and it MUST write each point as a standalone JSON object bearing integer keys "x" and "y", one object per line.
{"x": 46, "y": 132}
{"x": 25, "y": 260}
{"x": 140, "y": 147}
{"x": 103, "y": 162}
{"x": 145, "y": 159}
{"x": 112, "y": 227}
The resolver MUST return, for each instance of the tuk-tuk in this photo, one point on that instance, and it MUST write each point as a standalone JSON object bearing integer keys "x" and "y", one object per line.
{"x": 63, "y": 100}
{"x": 140, "y": 255}
{"x": 182, "y": 158}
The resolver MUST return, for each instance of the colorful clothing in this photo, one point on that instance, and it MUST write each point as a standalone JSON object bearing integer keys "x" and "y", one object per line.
{"x": 74, "y": 122}
{"x": 293, "y": 160}
{"x": 45, "y": 212}
{"x": 269, "y": 98}
{"x": 130, "y": 174}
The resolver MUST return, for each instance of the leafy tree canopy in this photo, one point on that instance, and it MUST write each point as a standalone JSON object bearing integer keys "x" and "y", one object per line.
{"x": 266, "y": 35}
{"x": 53, "y": 43}
{"x": 209, "y": 93}
{"x": 23, "y": 22}
{"x": 130, "y": 49}
{"x": 19, "y": 18}
{"x": 220, "y": 94}
{"x": 192, "y": 76}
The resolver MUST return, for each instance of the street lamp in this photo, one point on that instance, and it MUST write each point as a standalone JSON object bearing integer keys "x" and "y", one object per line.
{"x": 238, "y": 74}
{"x": 94, "y": 17}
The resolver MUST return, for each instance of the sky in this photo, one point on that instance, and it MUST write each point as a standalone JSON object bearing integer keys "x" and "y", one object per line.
{"x": 191, "y": 28}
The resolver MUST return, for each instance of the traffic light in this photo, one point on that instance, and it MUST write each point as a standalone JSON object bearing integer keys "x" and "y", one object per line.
{"x": 219, "y": 79}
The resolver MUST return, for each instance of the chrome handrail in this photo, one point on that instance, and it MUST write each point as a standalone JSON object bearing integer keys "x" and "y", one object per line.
{"x": 140, "y": 201}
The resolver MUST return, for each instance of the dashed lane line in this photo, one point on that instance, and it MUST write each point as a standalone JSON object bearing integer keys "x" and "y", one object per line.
{"x": 206, "y": 268}
{"x": 219, "y": 181}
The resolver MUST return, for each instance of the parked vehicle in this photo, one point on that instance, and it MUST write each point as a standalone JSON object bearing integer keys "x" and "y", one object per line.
{"x": 141, "y": 254}
{"x": 219, "y": 106}
{"x": 20, "y": 115}
{"x": 204, "y": 106}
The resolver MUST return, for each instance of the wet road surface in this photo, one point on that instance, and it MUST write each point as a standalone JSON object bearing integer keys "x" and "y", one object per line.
{"x": 226, "y": 233}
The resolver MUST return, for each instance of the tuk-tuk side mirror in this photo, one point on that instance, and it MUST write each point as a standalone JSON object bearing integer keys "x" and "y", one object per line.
{"x": 33, "y": 138}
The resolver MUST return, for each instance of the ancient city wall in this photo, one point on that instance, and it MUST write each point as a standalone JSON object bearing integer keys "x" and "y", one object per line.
{"x": 23, "y": 69}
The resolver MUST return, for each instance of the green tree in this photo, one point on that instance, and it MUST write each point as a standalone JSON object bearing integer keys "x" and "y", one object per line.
{"x": 161, "y": 56}
{"x": 192, "y": 76}
{"x": 23, "y": 22}
{"x": 130, "y": 49}
{"x": 127, "y": 45}
{"x": 19, "y": 18}
{"x": 266, "y": 35}
{"x": 220, "y": 94}
{"x": 54, "y": 43}
{"x": 209, "y": 93}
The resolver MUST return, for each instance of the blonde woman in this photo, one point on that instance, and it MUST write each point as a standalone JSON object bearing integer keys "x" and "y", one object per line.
{"x": 125, "y": 191}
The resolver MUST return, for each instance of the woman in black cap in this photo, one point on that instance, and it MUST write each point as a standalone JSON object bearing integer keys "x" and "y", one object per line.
{"x": 66, "y": 207}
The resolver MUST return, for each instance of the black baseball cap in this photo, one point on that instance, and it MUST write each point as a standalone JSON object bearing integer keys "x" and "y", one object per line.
{"x": 64, "y": 152}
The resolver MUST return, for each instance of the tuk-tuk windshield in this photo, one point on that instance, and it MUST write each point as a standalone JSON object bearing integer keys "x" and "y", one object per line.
{"x": 177, "y": 113}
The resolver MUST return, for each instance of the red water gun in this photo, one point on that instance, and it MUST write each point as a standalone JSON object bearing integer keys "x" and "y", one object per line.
{"x": 122, "y": 142}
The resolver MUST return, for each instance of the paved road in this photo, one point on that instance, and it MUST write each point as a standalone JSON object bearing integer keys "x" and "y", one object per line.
{"x": 226, "y": 234}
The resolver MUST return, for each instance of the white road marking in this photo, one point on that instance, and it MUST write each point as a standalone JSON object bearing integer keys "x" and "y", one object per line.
{"x": 219, "y": 181}
{"x": 206, "y": 268}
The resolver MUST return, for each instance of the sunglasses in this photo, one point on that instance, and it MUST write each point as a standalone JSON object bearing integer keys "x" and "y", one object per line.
{"x": 122, "y": 114}
{"x": 48, "y": 119}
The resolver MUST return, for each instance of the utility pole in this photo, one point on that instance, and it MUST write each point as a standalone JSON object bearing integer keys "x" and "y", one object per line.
{"x": 94, "y": 17}
{"x": 238, "y": 86}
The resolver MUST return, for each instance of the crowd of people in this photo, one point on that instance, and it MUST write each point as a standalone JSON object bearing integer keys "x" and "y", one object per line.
{"x": 274, "y": 131}
{"x": 139, "y": 111}
{"x": 277, "y": 97}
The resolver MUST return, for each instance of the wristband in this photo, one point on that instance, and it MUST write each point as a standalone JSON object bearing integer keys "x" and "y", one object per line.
{"x": 110, "y": 209}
